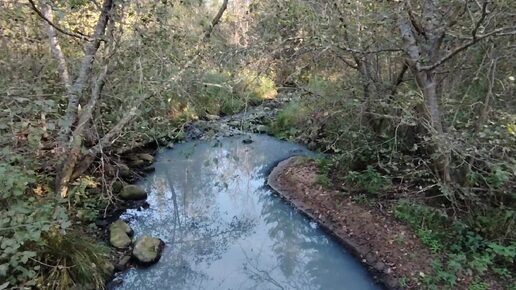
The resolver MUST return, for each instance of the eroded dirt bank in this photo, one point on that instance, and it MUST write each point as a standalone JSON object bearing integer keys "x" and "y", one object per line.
{"x": 396, "y": 256}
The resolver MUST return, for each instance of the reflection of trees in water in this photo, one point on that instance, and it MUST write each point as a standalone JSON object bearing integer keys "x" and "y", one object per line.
{"x": 185, "y": 213}
{"x": 265, "y": 278}
{"x": 207, "y": 200}
{"x": 299, "y": 247}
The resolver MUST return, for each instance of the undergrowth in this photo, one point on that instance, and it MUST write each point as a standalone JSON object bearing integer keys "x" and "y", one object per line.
{"x": 464, "y": 251}
{"x": 41, "y": 244}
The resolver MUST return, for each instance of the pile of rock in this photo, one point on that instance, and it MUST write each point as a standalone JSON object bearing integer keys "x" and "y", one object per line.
{"x": 146, "y": 250}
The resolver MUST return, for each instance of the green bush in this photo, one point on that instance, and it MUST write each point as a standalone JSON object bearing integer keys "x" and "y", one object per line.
{"x": 82, "y": 263}
{"x": 370, "y": 180}
{"x": 38, "y": 245}
{"x": 463, "y": 248}
{"x": 288, "y": 120}
{"x": 256, "y": 87}
{"x": 23, "y": 221}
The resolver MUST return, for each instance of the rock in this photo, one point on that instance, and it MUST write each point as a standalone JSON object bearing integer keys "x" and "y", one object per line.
{"x": 108, "y": 268}
{"x": 147, "y": 250}
{"x": 145, "y": 157}
{"x": 212, "y": 117}
{"x": 148, "y": 169}
{"x": 192, "y": 132}
{"x": 261, "y": 129}
{"x": 234, "y": 123}
{"x": 123, "y": 263}
{"x": 117, "y": 186}
{"x": 119, "y": 239}
{"x": 124, "y": 171}
{"x": 247, "y": 141}
{"x": 119, "y": 234}
{"x": 312, "y": 145}
{"x": 138, "y": 163}
{"x": 133, "y": 192}
{"x": 121, "y": 225}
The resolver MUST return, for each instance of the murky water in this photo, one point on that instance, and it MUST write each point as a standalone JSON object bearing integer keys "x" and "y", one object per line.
{"x": 224, "y": 229}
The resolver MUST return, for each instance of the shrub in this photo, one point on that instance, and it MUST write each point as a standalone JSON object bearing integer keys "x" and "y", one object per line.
{"x": 80, "y": 262}
{"x": 370, "y": 180}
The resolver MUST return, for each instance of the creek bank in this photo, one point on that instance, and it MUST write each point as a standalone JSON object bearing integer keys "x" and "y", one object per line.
{"x": 389, "y": 248}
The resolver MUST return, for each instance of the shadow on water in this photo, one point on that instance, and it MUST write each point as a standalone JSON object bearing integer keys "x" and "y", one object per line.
{"x": 224, "y": 229}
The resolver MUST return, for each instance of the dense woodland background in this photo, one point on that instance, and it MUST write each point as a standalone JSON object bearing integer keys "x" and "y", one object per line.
{"x": 414, "y": 99}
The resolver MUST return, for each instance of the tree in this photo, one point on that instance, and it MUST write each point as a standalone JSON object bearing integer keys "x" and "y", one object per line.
{"x": 428, "y": 48}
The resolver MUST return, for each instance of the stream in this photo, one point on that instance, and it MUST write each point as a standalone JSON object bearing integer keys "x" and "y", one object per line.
{"x": 225, "y": 229}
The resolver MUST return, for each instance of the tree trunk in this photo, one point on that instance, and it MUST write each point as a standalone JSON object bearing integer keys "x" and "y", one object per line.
{"x": 74, "y": 93}
{"x": 427, "y": 83}
{"x": 55, "y": 48}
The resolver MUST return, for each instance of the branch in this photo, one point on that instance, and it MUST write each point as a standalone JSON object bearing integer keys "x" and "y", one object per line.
{"x": 480, "y": 20}
{"x": 473, "y": 41}
{"x": 74, "y": 93}
{"x": 216, "y": 20}
{"x": 207, "y": 34}
{"x": 357, "y": 51}
{"x": 399, "y": 78}
{"x": 109, "y": 136}
{"x": 80, "y": 36}
{"x": 55, "y": 47}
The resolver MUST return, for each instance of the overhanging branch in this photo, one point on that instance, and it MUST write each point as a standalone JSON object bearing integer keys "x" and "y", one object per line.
{"x": 80, "y": 36}
{"x": 497, "y": 32}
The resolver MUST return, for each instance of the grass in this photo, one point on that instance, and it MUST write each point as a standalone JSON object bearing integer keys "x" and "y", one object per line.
{"x": 73, "y": 261}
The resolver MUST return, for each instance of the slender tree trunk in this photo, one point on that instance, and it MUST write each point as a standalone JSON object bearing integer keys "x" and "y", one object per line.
{"x": 55, "y": 48}
{"x": 73, "y": 95}
{"x": 73, "y": 150}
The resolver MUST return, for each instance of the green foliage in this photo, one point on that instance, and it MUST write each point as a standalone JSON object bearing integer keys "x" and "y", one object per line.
{"x": 285, "y": 124}
{"x": 477, "y": 285}
{"x": 324, "y": 166}
{"x": 23, "y": 221}
{"x": 83, "y": 262}
{"x": 255, "y": 86}
{"x": 224, "y": 93}
{"x": 463, "y": 248}
{"x": 370, "y": 179}
{"x": 35, "y": 232}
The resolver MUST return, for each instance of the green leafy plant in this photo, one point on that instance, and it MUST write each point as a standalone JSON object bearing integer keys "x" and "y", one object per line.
{"x": 370, "y": 179}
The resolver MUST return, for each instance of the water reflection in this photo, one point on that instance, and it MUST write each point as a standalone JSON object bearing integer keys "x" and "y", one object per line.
{"x": 225, "y": 230}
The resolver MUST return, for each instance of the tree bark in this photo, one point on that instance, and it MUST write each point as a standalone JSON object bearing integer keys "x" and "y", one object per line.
{"x": 55, "y": 48}
{"x": 427, "y": 82}
{"x": 74, "y": 93}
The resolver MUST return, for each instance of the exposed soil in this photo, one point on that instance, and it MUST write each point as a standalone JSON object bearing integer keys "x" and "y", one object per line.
{"x": 395, "y": 255}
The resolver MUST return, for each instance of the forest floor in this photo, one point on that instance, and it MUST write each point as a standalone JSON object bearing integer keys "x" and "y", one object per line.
{"x": 394, "y": 254}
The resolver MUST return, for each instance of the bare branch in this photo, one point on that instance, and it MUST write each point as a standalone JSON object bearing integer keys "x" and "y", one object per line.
{"x": 42, "y": 15}
{"x": 457, "y": 50}
{"x": 216, "y": 20}
{"x": 109, "y": 137}
{"x": 480, "y": 20}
